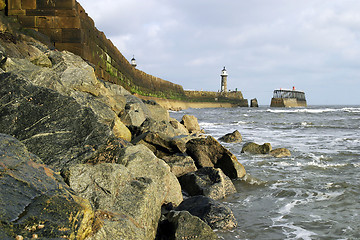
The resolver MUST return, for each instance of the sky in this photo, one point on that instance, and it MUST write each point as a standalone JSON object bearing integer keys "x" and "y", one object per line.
{"x": 313, "y": 45}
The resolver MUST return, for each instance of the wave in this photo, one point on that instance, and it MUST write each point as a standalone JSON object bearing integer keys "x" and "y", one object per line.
{"x": 315, "y": 110}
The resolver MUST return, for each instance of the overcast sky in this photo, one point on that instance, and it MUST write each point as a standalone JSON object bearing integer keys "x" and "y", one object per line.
{"x": 313, "y": 45}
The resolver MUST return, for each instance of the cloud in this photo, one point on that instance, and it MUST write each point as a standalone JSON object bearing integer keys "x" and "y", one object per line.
{"x": 313, "y": 44}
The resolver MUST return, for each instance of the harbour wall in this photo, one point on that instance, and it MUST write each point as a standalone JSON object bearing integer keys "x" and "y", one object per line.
{"x": 68, "y": 27}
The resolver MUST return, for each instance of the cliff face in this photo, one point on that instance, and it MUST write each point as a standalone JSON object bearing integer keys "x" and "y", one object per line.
{"x": 69, "y": 28}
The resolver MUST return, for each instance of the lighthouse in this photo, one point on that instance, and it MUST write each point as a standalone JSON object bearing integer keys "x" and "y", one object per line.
{"x": 224, "y": 80}
{"x": 133, "y": 62}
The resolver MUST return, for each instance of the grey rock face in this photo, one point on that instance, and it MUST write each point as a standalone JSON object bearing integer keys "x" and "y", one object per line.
{"x": 52, "y": 126}
{"x": 180, "y": 165}
{"x": 215, "y": 214}
{"x": 209, "y": 182}
{"x": 31, "y": 193}
{"x": 131, "y": 191}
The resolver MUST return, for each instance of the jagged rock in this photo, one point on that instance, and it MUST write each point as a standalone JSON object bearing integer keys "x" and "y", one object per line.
{"x": 232, "y": 137}
{"x": 191, "y": 123}
{"x": 254, "y": 148}
{"x": 161, "y": 144}
{"x": 254, "y": 103}
{"x": 53, "y": 126}
{"x": 35, "y": 200}
{"x": 179, "y": 127}
{"x": 215, "y": 214}
{"x": 135, "y": 111}
{"x": 180, "y": 165}
{"x": 150, "y": 125}
{"x": 181, "y": 225}
{"x": 207, "y": 152}
{"x": 72, "y": 76}
{"x": 158, "y": 113}
{"x": 132, "y": 192}
{"x": 207, "y": 181}
{"x": 280, "y": 152}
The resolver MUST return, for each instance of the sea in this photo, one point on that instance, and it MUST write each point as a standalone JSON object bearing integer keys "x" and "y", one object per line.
{"x": 315, "y": 193}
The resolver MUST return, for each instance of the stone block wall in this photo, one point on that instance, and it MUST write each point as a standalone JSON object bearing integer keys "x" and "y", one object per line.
{"x": 69, "y": 27}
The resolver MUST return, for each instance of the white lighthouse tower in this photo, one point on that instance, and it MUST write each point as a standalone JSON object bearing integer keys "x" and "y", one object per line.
{"x": 133, "y": 62}
{"x": 224, "y": 75}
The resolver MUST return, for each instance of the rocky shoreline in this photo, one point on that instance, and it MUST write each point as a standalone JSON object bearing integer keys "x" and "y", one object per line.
{"x": 84, "y": 159}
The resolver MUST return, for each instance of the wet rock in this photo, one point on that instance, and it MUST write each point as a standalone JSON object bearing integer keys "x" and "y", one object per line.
{"x": 31, "y": 193}
{"x": 280, "y": 153}
{"x": 180, "y": 165}
{"x": 234, "y": 137}
{"x": 207, "y": 152}
{"x": 254, "y": 148}
{"x": 181, "y": 225}
{"x": 215, "y": 214}
{"x": 53, "y": 126}
{"x": 207, "y": 181}
{"x": 191, "y": 123}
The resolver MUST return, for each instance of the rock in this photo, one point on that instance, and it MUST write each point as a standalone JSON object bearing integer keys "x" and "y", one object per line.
{"x": 179, "y": 127}
{"x": 70, "y": 75}
{"x": 35, "y": 200}
{"x": 181, "y": 225}
{"x": 207, "y": 181}
{"x": 53, "y": 126}
{"x": 131, "y": 192}
{"x": 158, "y": 113}
{"x": 215, "y": 214}
{"x": 280, "y": 152}
{"x": 142, "y": 162}
{"x": 207, "y": 152}
{"x": 191, "y": 123}
{"x": 150, "y": 125}
{"x": 232, "y": 137}
{"x": 254, "y": 103}
{"x": 180, "y": 165}
{"x": 135, "y": 111}
{"x": 254, "y": 148}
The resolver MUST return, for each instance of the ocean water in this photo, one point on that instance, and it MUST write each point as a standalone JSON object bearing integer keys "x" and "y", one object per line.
{"x": 315, "y": 193}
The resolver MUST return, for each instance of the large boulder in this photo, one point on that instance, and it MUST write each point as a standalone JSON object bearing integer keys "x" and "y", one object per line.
{"x": 234, "y": 137}
{"x": 131, "y": 191}
{"x": 180, "y": 225}
{"x": 179, "y": 127}
{"x": 53, "y": 126}
{"x": 207, "y": 152}
{"x": 254, "y": 148}
{"x": 135, "y": 111}
{"x": 179, "y": 164}
{"x": 35, "y": 201}
{"x": 207, "y": 181}
{"x": 70, "y": 75}
{"x": 191, "y": 123}
{"x": 280, "y": 152}
{"x": 215, "y": 214}
{"x": 158, "y": 113}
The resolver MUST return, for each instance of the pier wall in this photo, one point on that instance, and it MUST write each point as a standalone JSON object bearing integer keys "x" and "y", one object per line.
{"x": 69, "y": 27}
